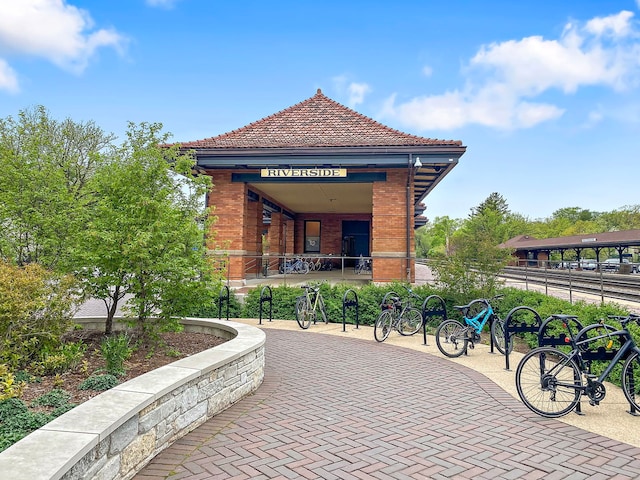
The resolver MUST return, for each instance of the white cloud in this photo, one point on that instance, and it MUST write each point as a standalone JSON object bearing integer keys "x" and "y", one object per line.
{"x": 8, "y": 78}
{"x": 166, "y": 4}
{"x": 505, "y": 79}
{"x": 354, "y": 90}
{"x": 51, "y": 29}
{"x": 357, "y": 91}
{"x": 614, "y": 25}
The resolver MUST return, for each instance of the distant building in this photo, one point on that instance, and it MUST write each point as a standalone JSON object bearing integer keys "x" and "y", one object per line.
{"x": 529, "y": 248}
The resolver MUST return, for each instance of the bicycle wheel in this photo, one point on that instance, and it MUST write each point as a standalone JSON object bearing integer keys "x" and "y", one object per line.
{"x": 303, "y": 315}
{"x": 498, "y": 336}
{"x": 451, "y": 338}
{"x": 410, "y": 322}
{"x": 548, "y": 382}
{"x": 383, "y": 325}
{"x": 631, "y": 380}
{"x": 323, "y": 311}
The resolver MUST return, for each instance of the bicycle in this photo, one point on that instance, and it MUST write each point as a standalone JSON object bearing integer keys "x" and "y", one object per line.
{"x": 363, "y": 266}
{"x": 397, "y": 314}
{"x": 550, "y": 382}
{"x": 308, "y": 305}
{"x": 294, "y": 266}
{"x": 453, "y": 338}
{"x": 316, "y": 265}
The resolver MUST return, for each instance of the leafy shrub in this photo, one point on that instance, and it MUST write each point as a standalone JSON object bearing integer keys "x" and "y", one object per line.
{"x": 35, "y": 310}
{"x": 213, "y": 310}
{"x": 116, "y": 350}
{"x": 99, "y": 383}
{"x": 61, "y": 358}
{"x": 10, "y": 408}
{"x": 9, "y": 387}
{"x": 16, "y": 421}
{"x": 26, "y": 377}
{"x": 369, "y": 298}
{"x": 55, "y": 398}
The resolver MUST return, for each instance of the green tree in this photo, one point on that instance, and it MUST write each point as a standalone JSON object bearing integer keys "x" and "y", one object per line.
{"x": 625, "y": 218}
{"x": 143, "y": 240}
{"x": 494, "y": 203}
{"x": 439, "y": 235}
{"x": 476, "y": 259}
{"x": 45, "y": 165}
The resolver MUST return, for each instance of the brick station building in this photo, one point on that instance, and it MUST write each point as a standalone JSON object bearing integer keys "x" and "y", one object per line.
{"x": 318, "y": 179}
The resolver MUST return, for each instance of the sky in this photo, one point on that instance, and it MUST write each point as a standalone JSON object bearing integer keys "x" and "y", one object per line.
{"x": 544, "y": 94}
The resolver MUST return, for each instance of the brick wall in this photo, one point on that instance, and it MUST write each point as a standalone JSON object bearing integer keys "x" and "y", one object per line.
{"x": 239, "y": 227}
{"x": 330, "y": 230}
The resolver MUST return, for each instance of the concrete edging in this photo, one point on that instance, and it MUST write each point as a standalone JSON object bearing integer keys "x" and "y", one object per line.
{"x": 115, "y": 434}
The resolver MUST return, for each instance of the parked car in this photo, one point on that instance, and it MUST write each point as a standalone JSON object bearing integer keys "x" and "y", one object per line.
{"x": 589, "y": 264}
{"x": 613, "y": 265}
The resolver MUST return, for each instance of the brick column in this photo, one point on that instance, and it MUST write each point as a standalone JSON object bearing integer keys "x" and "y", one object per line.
{"x": 389, "y": 228}
{"x": 228, "y": 202}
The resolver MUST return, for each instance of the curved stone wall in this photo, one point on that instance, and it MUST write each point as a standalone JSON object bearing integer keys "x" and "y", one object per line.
{"x": 114, "y": 435}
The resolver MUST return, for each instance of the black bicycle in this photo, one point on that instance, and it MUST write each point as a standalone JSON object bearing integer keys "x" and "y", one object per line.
{"x": 398, "y": 314}
{"x": 550, "y": 382}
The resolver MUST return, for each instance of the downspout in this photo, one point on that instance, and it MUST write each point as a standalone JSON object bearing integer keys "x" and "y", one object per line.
{"x": 409, "y": 169}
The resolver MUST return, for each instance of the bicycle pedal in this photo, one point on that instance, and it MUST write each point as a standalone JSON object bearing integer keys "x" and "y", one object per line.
{"x": 472, "y": 346}
{"x": 594, "y": 403}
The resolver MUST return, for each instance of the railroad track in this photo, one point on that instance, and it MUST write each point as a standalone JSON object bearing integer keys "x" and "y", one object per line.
{"x": 610, "y": 285}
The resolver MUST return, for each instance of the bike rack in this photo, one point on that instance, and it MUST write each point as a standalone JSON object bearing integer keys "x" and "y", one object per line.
{"x": 222, "y": 299}
{"x": 433, "y": 307}
{"x": 349, "y": 303}
{"x": 266, "y": 298}
{"x": 546, "y": 339}
{"x": 520, "y": 320}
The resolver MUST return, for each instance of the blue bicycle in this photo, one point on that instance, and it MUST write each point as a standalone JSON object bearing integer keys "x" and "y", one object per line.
{"x": 294, "y": 266}
{"x": 453, "y": 338}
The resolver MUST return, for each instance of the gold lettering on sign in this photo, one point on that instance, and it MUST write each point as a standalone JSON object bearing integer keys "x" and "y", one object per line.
{"x": 303, "y": 172}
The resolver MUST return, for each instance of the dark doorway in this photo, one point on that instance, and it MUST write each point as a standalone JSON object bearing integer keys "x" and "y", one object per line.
{"x": 355, "y": 239}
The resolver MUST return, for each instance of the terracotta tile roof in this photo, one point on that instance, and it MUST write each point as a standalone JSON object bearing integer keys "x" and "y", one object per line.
{"x": 315, "y": 122}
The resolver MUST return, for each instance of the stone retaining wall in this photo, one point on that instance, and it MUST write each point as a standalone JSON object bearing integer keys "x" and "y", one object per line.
{"x": 114, "y": 435}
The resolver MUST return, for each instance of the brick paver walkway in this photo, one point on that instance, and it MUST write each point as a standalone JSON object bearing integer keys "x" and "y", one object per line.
{"x": 339, "y": 408}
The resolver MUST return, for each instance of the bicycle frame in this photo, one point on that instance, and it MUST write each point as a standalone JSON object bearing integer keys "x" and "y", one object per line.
{"x": 627, "y": 347}
{"x": 485, "y": 315}
{"x": 312, "y": 295}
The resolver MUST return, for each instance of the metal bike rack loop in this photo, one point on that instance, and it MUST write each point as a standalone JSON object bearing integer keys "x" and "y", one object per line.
{"x": 349, "y": 301}
{"x": 223, "y": 297}
{"x": 514, "y": 324}
{"x": 433, "y": 307}
{"x": 266, "y": 298}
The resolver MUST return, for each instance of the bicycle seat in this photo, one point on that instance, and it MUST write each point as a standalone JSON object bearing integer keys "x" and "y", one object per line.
{"x": 463, "y": 307}
{"x": 562, "y": 316}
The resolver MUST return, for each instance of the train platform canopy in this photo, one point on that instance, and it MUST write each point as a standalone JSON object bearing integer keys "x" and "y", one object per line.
{"x": 619, "y": 240}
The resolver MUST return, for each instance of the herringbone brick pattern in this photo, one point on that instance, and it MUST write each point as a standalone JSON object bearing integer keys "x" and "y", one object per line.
{"x": 339, "y": 408}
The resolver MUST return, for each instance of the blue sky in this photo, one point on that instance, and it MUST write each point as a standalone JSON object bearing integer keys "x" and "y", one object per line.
{"x": 545, "y": 94}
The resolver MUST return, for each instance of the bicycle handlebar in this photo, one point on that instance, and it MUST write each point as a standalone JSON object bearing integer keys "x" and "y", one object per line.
{"x": 411, "y": 292}
{"x": 625, "y": 319}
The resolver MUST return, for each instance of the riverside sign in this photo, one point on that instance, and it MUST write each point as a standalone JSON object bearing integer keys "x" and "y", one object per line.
{"x": 303, "y": 172}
